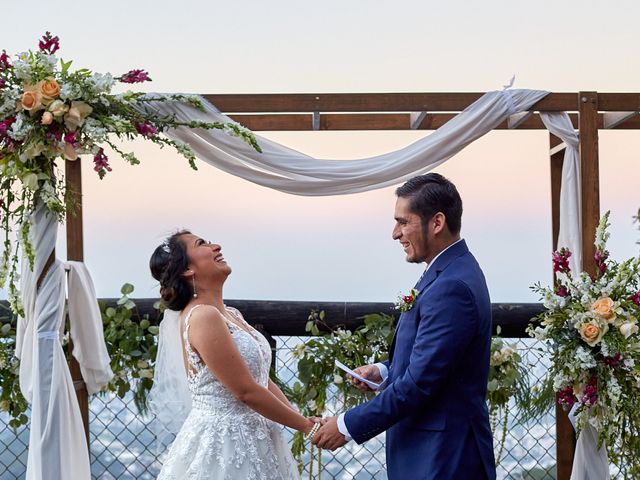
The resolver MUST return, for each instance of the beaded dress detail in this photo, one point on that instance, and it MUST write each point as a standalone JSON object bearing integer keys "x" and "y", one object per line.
{"x": 222, "y": 438}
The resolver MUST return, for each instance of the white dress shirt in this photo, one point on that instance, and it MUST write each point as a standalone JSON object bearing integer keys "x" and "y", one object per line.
{"x": 384, "y": 372}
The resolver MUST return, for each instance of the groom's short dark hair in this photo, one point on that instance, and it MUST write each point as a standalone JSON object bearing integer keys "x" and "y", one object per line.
{"x": 432, "y": 193}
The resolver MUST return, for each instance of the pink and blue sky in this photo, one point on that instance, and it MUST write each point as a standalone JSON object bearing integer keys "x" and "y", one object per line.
{"x": 340, "y": 248}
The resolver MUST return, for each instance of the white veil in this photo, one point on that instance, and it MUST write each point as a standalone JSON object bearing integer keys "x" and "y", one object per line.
{"x": 169, "y": 398}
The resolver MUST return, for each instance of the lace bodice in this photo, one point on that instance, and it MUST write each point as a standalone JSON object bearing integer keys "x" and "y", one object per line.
{"x": 207, "y": 392}
{"x": 222, "y": 438}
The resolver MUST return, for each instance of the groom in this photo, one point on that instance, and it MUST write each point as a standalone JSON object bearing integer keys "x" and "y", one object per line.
{"x": 432, "y": 402}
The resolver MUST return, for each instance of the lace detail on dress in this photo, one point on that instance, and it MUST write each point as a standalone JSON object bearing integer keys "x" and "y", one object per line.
{"x": 223, "y": 438}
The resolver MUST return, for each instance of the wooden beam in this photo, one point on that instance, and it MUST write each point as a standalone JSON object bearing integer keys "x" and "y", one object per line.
{"x": 75, "y": 251}
{"x": 379, "y": 121}
{"x": 369, "y": 102}
{"x": 288, "y": 318}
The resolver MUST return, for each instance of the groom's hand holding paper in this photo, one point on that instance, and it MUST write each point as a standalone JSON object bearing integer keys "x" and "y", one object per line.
{"x": 365, "y": 378}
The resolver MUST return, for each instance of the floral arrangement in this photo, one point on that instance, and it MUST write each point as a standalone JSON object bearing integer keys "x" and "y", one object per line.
{"x": 507, "y": 379}
{"x": 131, "y": 341}
{"x": 48, "y": 112}
{"x": 405, "y": 302}
{"x": 591, "y": 327}
{"x": 11, "y": 399}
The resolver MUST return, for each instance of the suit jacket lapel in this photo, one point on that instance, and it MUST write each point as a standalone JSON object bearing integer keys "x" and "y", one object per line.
{"x": 429, "y": 277}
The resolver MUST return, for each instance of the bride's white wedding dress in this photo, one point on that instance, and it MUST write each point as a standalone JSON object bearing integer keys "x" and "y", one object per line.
{"x": 222, "y": 438}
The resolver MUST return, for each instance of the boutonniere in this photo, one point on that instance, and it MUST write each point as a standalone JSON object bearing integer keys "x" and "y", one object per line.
{"x": 405, "y": 302}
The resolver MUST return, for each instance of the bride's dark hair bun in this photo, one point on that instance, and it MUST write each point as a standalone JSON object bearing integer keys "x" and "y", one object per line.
{"x": 168, "y": 262}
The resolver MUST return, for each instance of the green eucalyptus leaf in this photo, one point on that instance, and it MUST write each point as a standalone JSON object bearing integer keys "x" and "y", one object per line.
{"x": 127, "y": 289}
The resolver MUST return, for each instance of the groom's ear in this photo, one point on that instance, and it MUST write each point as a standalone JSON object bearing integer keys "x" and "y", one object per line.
{"x": 439, "y": 223}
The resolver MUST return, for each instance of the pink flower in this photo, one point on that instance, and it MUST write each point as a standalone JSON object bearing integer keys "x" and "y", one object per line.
{"x": 562, "y": 291}
{"x": 561, "y": 260}
{"x": 4, "y": 61}
{"x": 101, "y": 163}
{"x": 146, "y": 129}
{"x": 49, "y": 44}
{"x": 635, "y": 298}
{"x": 135, "y": 76}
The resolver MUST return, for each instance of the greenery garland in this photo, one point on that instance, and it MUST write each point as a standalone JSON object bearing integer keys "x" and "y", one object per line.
{"x": 317, "y": 376}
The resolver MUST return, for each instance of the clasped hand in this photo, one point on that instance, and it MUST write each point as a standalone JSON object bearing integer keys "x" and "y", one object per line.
{"x": 328, "y": 436}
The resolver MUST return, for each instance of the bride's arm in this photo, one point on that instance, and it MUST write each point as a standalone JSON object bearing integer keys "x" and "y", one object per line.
{"x": 209, "y": 335}
{"x": 273, "y": 388}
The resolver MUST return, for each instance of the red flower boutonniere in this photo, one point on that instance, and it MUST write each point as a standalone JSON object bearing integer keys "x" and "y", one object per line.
{"x": 405, "y": 302}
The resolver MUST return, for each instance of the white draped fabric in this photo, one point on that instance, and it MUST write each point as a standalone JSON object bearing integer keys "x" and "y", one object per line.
{"x": 570, "y": 235}
{"x": 589, "y": 461}
{"x": 286, "y": 170}
{"x": 57, "y": 443}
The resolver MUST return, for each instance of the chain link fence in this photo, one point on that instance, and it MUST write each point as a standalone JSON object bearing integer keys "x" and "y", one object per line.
{"x": 123, "y": 441}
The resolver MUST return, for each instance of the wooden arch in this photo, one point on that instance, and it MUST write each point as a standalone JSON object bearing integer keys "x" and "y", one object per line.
{"x": 589, "y": 111}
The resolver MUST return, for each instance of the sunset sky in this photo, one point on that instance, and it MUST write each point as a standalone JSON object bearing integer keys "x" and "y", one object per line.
{"x": 283, "y": 247}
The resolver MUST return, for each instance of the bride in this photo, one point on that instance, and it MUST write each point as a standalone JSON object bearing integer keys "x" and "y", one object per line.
{"x": 231, "y": 429}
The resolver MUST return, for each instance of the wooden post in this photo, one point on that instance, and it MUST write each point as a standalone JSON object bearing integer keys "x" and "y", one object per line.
{"x": 75, "y": 251}
{"x": 565, "y": 436}
{"x": 589, "y": 176}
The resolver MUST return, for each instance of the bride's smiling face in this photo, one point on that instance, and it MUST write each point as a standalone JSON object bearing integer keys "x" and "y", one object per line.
{"x": 205, "y": 258}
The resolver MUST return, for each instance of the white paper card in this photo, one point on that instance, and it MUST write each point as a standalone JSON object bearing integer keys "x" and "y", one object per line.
{"x": 369, "y": 383}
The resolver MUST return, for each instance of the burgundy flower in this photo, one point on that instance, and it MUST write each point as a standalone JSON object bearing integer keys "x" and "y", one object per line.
{"x": 4, "y": 61}
{"x": 590, "y": 394}
{"x": 600, "y": 259}
{"x": 135, "y": 76}
{"x": 561, "y": 260}
{"x": 49, "y": 44}
{"x": 5, "y": 125}
{"x": 146, "y": 129}
{"x": 54, "y": 133}
{"x": 70, "y": 137}
{"x": 2, "y": 83}
{"x": 562, "y": 291}
{"x": 614, "y": 361}
{"x": 635, "y": 298}
{"x": 566, "y": 398}
{"x": 101, "y": 163}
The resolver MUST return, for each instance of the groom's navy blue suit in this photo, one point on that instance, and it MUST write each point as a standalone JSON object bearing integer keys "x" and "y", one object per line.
{"x": 433, "y": 403}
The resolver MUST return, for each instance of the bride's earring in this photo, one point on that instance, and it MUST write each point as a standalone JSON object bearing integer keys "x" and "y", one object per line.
{"x": 195, "y": 292}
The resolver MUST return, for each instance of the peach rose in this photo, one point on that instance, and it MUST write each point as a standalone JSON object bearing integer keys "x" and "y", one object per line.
{"x": 592, "y": 333}
{"x": 603, "y": 307}
{"x": 76, "y": 115}
{"x": 49, "y": 89}
{"x": 70, "y": 152}
{"x": 58, "y": 108}
{"x": 47, "y": 118}
{"x": 31, "y": 101}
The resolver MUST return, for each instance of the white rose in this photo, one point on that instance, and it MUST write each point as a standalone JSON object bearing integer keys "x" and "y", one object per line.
{"x": 628, "y": 329}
